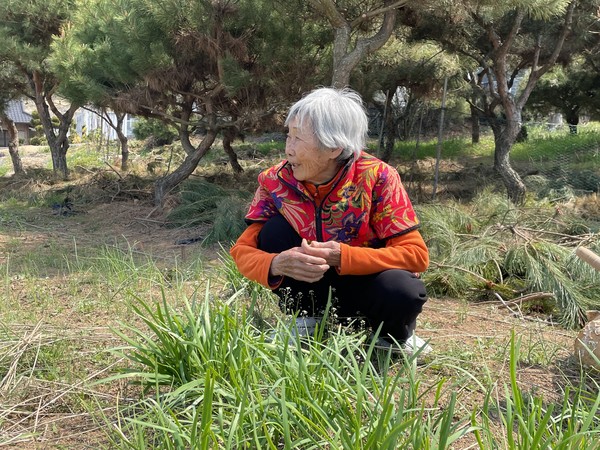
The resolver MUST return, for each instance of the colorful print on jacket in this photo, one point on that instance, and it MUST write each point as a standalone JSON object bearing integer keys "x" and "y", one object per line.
{"x": 366, "y": 205}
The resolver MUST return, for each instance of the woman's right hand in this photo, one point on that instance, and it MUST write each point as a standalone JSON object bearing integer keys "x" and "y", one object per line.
{"x": 298, "y": 265}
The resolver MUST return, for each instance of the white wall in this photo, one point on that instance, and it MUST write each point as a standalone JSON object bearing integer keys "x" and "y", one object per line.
{"x": 87, "y": 121}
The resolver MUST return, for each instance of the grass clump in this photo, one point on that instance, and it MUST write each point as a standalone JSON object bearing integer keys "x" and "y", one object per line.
{"x": 529, "y": 422}
{"x": 214, "y": 380}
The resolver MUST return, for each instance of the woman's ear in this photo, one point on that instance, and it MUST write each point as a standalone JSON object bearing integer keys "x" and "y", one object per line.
{"x": 336, "y": 152}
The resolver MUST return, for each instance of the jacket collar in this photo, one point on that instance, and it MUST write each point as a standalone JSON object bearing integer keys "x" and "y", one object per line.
{"x": 286, "y": 174}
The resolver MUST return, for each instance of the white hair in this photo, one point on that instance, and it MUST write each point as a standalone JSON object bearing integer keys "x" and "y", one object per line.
{"x": 337, "y": 118}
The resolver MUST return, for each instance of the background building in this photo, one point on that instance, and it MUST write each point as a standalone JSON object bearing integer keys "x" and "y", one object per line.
{"x": 16, "y": 113}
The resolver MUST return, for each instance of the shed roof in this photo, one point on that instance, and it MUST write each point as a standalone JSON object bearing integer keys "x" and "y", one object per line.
{"x": 14, "y": 111}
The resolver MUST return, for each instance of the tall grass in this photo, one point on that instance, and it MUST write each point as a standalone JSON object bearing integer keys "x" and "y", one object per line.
{"x": 216, "y": 381}
{"x": 212, "y": 379}
{"x": 528, "y": 422}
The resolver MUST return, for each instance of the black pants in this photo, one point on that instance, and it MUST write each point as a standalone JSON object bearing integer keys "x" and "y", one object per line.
{"x": 392, "y": 298}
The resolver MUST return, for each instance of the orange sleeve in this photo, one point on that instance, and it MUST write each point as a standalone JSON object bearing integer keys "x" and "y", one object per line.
{"x": 253, "y": 263}
{"x": 407, "y": 251}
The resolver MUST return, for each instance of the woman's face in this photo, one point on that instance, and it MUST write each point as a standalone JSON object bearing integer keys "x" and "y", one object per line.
{"x": 308, "y": 162}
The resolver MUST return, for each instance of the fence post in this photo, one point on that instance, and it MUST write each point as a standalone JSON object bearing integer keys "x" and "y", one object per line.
{"x": 438, "y": 153}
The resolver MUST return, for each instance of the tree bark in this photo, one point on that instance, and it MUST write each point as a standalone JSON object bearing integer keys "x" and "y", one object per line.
{"x": 504, "y": 137}
{"x": 123, "y": 140}
{"x": 572, "y": 119}
{"x": 57, "y": 141}
{"x": 228, "y": 137}
{"x": 166, "y": 184}
{"x": 475, "y": 128}
{"x": 506, "y": 134}
{"x": 13, "y": 143}
{"x": 344, "y": 59}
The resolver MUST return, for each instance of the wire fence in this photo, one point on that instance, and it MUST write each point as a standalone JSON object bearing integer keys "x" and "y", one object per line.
{"x": 553, "y": 158}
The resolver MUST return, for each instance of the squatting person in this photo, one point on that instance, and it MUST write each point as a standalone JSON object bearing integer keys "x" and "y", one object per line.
{"x": 333, "y": 216}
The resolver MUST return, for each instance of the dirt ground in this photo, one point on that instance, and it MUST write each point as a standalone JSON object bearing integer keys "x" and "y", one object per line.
{"x": 465, "y": 334}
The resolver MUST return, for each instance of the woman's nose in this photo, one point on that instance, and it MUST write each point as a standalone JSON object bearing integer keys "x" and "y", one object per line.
{"x": 289, "y": 148}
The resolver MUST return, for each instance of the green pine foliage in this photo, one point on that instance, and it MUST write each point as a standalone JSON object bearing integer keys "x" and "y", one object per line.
{"x": 156, "y": 133}
{"x": 199, "y": 199}
{"x": 543, "y": 267}
{"x": 491, "y": 250}
{"x": 229, "y": 222}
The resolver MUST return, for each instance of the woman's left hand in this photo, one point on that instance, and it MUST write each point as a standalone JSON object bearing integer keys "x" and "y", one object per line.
{"x": 330, "y": 251}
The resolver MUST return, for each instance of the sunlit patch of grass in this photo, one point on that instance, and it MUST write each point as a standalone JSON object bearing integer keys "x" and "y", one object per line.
{"x": 260, "y": 149}
{"x": 11, "y": 205}
{"x": 580, "y": 151}
{"x": 43, "y": 260}
{"x": 83, "y": 155}
{"x": 578, "y": 148}
{"x": 450, "y": 149}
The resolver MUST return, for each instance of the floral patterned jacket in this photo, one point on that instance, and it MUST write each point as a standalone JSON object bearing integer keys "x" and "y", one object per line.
{"x": 366, "y": 205}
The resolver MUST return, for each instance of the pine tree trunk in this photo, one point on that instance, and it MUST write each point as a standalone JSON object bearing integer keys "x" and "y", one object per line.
{"x": 164, "y": 185}
{"x": 124, "y": 142}
{"x": 348, "y": 53}
{"x": 13, "y": 143}
{"x": 58, "y": 142}
{"x": 59, "y": 159}
{"x": 124, "y": 151}
{"x": 228, "y": 136}
{"x": 475, "y": 128}
{"x": 504, "y": 138}
{"x": 572, "y": 118}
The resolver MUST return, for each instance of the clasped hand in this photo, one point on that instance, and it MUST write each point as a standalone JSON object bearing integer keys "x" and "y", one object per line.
{"x": 309, "y": 262}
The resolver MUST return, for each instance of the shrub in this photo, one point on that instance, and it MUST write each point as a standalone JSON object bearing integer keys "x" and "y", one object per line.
{"x": 38, "y": 140}
{"x": 207, "y": 203}
{"x": 155, "y": 132}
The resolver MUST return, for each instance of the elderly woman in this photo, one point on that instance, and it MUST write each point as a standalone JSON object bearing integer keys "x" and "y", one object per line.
{"x": 331, "y": 216}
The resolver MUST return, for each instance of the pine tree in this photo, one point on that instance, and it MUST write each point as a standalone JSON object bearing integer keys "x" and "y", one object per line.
{"x": 204, "y": 67}
{"x": 11, "y": 83}
{"x": 513, "y": 44}
{"x": 26, "y": 32}
{"x": 572, "y": 91}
